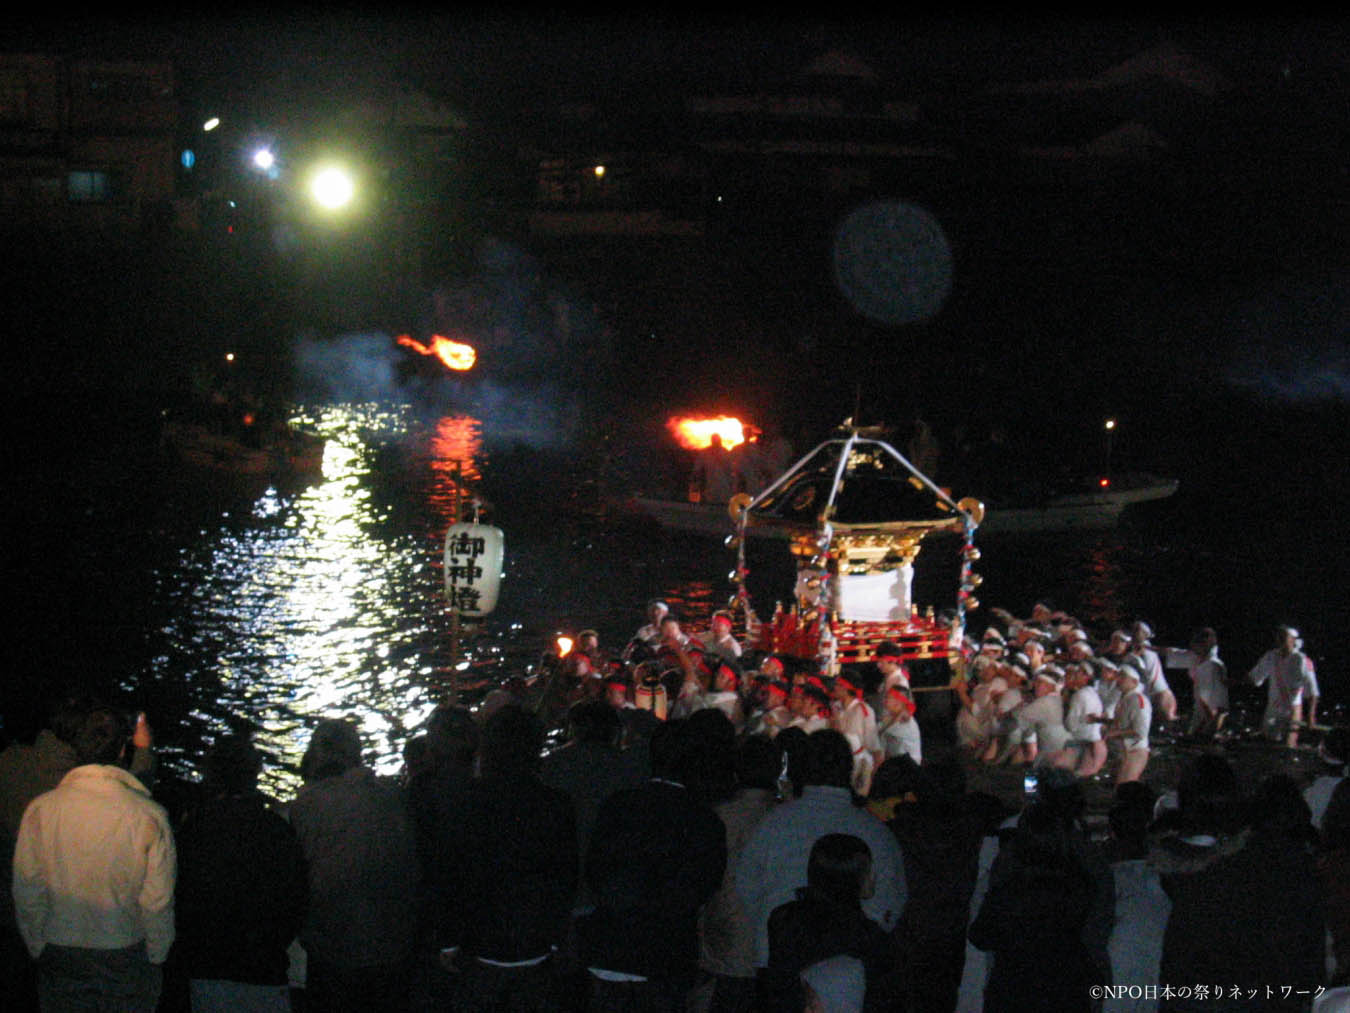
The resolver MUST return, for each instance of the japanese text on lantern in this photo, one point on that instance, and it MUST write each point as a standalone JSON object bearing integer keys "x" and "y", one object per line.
{"x": 473, "y": 560}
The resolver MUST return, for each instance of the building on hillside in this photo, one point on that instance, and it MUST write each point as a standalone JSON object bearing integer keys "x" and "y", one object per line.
{"x": 86, "y": 143}
{"x": 838, "y": 132}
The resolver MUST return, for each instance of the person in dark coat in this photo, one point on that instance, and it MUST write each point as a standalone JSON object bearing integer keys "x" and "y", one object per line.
{"x": 241, "y": 888}
{"x": 1333, "y": 864}
{"x": 827, "y": 920}
{"x": 1032, "y": 919}
{"x": 517, "y": 850}
{"x": 590, "y": 766}
{"x": 940, "y": 835}
{"x": 361, "y": 923}
{"x": 435, "y": 793}
{"x": 1254, "y": 917}
{"x": 657, "y": 853}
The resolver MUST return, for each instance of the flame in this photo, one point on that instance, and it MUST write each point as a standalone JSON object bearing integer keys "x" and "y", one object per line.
{"x": 455, "y": 354}
{"x": 696, "y": 434}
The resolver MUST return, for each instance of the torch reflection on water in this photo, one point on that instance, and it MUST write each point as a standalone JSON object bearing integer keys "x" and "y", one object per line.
{"x": 455, "y": 449}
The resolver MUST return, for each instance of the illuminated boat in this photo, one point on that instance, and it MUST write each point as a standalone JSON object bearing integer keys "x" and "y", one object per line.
{"x": 1096, "y": 507}
{"x": 855, "y": 513}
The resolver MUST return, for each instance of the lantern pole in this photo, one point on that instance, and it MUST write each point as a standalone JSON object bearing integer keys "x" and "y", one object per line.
{"x": 454, "y": 607}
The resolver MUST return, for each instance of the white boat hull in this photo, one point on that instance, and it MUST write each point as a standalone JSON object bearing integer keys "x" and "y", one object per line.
{"x": 697, "y": 518}
{"x": 1089, "y": 511}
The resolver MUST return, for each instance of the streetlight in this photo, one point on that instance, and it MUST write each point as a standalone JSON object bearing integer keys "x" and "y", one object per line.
{"x": 1110, "y": 428}
{"x": 332, "y": 188}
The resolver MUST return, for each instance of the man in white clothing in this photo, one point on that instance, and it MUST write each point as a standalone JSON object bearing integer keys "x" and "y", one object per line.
{"x": 94, "y": 876}
{"x": 1133, "y": 716}
{"x": 1041, "y": 721}
{"x": 853, "y": 716}
{"x": 890, "y": 662}
{"x": 1085, "y": 751}
{"x": 1007, "y": 736}
{"x": 650, "y": 634}
{"x": 1209, "y": 681}
{"x": 771, "y": 713}
{"x": 725, "y": 695}
{"x": 1108, "y": 689}
{"x": 1288, "y": 675}
{"x": 772, "y": 867}
{"x": 721, "y": 640}
{"x": 898, "y": 731}
{"x": 1154, "y": 682}
{"x": 810, "y": 703}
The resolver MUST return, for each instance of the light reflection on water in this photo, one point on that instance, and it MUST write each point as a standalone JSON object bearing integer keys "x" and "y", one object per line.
{"x": 316, "y": 605}
{"x": 324, "y": 598}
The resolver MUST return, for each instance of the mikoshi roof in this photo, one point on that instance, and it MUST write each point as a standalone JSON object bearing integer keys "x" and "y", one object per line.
{"x": 856, "y": 482}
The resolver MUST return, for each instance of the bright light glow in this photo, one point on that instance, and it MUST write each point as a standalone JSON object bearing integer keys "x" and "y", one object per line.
{"x": 211, "y": 124}
{"x": 332, "y": 188}
{"x": 229, "y": 356}
{"x": 599, "y": 171}
{"x": 696, "y": 433}
{"x": 263, "y": 159}
{"x": 1110, "y": 423}
{"x": 455, "y": 354}
{"x": 1105, "y": 483}
{"x": 564, "y": 646}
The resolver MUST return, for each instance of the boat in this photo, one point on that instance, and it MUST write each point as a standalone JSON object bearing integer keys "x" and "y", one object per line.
{"x": 1096, "y": 507}
{"x": 1093, "y": 508}
{"x": 280, "y": 452}
{"x": 712, "y": 519}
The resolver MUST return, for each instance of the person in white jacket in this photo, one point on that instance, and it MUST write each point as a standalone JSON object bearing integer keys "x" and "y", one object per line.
{"x": 772, "y": 865}
{"x": 94, "y": 875}
{"x": 1209, "y": 681}
{"x": 1289, "y": 677}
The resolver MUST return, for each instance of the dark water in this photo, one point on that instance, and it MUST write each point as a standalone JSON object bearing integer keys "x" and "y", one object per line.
{"x": 220, "y": 602}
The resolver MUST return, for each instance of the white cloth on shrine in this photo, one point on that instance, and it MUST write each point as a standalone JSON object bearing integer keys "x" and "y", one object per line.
{"x": 874, "y": 597}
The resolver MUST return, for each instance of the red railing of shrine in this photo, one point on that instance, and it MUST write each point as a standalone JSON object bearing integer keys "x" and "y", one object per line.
{"x": 918, "y": 637}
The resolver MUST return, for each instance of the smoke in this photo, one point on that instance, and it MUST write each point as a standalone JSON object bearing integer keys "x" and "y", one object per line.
{"x": 349, "y": 368}
{"x": 533, "y": 335}
{"x": 1293, "y": 342}
{"x": 363, "y": 368}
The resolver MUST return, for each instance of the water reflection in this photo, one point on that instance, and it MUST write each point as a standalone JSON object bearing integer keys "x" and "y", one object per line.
{"x": 325, "y": 598}
{"x": 456, "y": 451}
{"x": 316, "y": 605}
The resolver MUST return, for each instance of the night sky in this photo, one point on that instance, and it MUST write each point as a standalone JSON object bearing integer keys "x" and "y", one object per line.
{"x": 1246, "y": 255}
{"x": 289, "y": 52}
